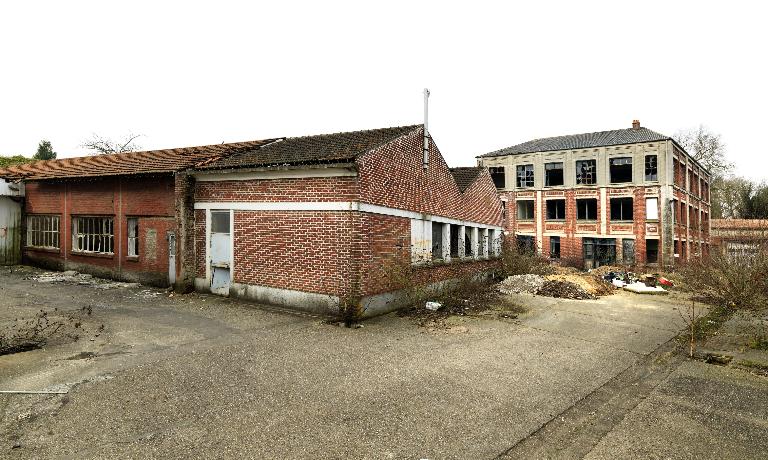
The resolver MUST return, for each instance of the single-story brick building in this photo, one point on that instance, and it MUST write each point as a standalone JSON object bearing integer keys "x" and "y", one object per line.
{"x": 739, "y": 236}
{"x": 307, "y": 222}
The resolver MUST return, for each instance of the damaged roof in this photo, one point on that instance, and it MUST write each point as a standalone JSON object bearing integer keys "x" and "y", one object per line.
{"x": 465, "y": 176}
{"x": 582, "y": 141}
{"x": 323, "y": 148}
{"x": 128, "y": 163}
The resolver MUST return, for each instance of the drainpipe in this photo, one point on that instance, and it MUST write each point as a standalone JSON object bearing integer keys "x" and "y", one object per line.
{"x": 426, "y": 128}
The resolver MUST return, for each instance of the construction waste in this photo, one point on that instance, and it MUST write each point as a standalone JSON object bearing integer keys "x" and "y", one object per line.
{"x": 82, "y": 279}
{"x": 564, "y": 290}
{"x": 643, "y": 284}
{"x": 521, "y": 284}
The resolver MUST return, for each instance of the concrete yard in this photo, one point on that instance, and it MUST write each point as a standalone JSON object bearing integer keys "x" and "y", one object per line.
{"x": 198, "y": 376}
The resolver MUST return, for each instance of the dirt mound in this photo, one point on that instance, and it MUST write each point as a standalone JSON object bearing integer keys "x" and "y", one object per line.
{"x": 591, "y": 284}
{"x": 518, "y": 284}
{"x": 564, "y": 290}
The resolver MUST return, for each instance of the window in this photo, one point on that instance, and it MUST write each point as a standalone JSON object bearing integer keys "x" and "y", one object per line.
{"x": 219, "y": 221}
{"x": 437, "y": 241}
{"x": 454, "y": 240}
{"x": 651, "y": 251}
{"x": 621, "y": 170}
{"x": 525, "y": 244}
{"x": 554, "y": 247}
{"x": 555, "y": 209}
{"x": 621, "y": 209}
{"x": 133, "y": 237}
{"x": 525, "y": 176}
{"x": 497, "y": 174}
{"x": 553, "y": 174}
{"x": 652, "y": 208}
{"x": 586, "y": 172}
{"x": 93, "y": 234}
{"x": 525, "y": 210}
{"x": 469, "y": 248}
{"x": 651, "y": 168}
{"x": 586, "y": 209}
{"x": 43, "y": 231}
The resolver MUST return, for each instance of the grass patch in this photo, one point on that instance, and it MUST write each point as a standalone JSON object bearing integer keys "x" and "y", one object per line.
{"x": 758, "y": 342}
{"x": 753, "y": 365}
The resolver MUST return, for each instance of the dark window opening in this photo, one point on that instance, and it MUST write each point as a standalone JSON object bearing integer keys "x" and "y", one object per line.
{"x": 599, "y": 251}
{"x": 525, "y": 176}
{"x": 497, "y": 174}
{"x": 555, "y": 209}
{"x": 525, "y": 210}
{"x": 554, "y": 247}
{"x": 454, "y": 240}
{"x": 621, "y": 170}
{"x": 525, "y": 244}
{"x": 553, "y": 174}
{"x": 586, "y": 172}
{"x": 651, "y": 251}
{"x": 651, "y": 167}
{"x": 437, "y": 241}
{"x": 469, "y": 251}
{"x": 586, "y": 209}
{"x": 621, "y": 209}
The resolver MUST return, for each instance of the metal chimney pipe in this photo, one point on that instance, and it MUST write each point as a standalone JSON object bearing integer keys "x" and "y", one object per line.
{"x": 426, "y": 128}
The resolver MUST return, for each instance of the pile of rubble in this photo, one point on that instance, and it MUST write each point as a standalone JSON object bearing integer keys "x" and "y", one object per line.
{"x": 83, "y": 279}
{"x": 521, "y": 284}
{"x": 564, "y": 290}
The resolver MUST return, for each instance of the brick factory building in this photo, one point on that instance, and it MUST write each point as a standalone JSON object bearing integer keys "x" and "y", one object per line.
{"x": 307, "y": 222}
{"x": 627, "y": 196}
{"x": 739, "y": 236}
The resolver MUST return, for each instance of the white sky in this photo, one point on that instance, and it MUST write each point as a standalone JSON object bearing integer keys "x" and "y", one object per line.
{"x": 191, "y": 73}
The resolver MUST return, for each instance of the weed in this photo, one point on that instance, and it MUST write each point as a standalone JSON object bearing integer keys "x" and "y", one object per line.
{"x": 753, "y": 365}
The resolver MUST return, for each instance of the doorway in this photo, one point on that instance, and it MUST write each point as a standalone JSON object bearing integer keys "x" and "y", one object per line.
{"x": 221, "y": 252}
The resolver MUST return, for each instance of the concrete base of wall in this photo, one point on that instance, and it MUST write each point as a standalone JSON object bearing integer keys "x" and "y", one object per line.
{"x": 147, "y": 278}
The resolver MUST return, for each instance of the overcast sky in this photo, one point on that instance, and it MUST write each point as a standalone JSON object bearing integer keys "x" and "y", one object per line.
{"x": 191, "y": 73}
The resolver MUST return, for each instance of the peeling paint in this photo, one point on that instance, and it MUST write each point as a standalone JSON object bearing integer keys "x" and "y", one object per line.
{"x": 10, "y": 231}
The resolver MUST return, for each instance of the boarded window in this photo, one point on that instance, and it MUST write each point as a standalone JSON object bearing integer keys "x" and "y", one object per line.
{"x": 525, "y": 210}
{"x": 525, "y": 176}
{"x": 621, "y": 170}
{"x": 437, "y": 240}
{"x": 133, "y": 237}
{"x": 651, "y": 168}
{"x": 43, "y": 231}
{"x": 554, "y": 247}
{"x": 421, "y": 240}
{"x": 93, "y": 234}
{"x": 553, "y": 174}
{"x": 555, "y": 209}
{"x": 586, "y": 172}
{"x": 586, "y": 209}
{"x": 621, "y": 209}
{"x": 652, "y": 208}
{"x": 497, "y": 174}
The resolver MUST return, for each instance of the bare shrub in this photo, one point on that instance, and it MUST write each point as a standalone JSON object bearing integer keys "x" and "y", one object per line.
{"x": 520, "y": 261}
{"x": 735, "y": 279}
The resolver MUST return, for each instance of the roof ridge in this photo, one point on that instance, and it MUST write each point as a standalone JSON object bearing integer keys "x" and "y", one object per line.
{"x": 353, "y": 132}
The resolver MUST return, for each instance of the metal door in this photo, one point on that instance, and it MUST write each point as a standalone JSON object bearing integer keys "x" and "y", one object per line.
{"x": 221, "y": 252}
{"x": 10, "y": 231}
{"x": 171, "y": 258}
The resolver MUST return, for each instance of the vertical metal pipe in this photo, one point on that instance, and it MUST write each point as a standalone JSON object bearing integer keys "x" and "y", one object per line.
{"x": 426, "y": 128}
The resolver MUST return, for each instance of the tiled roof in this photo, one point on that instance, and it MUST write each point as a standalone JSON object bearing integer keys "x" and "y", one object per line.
{"x": 465, "y": 176}
{"x": 128, "y": 163}
{"x": 740, "y": 224}
{"x": 324, "y": 148}
{"x": 582, "y": 141}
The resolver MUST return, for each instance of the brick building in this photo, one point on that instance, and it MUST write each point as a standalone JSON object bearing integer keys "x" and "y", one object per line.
{"x": 739, "y": 236}
{"x": 630, "y": 196}
{"x": 305, "y": 222}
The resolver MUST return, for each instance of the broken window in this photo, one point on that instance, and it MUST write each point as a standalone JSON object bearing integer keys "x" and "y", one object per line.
{"x": 43, "y": 231}
{"x": 555, "y": 209}
{"x": 524, "y": 176}
{"x": 652, "y": 208}
{"x": 554, "y": 247}
{"x": 586, "y": 172}
{"x": 586, "y": 209}
{"x": 621, "y": 209}
{"x": 553, "y": 174}
{"x": 651, "y": 168}
{"x": 525, "y": 244}
{"x": 651, "y": 251}
{"x": 621, "y": 170}
{"x": 437, "y": 241}
{"x": 525, "y": 210}
{"x": 469, "y": 249}
{"x": 133, "y": 237}
{"x": 454, "y": 240}
{"x": 497, "y": 174}
{"x": 93, "y": 234}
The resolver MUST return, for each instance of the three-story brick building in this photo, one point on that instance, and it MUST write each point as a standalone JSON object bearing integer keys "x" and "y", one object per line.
{"x": 630, "y": 196}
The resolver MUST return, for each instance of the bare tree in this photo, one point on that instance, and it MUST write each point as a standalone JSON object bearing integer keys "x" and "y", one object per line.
{"x": 103, "y": 146}
{"x": 706, "y": 147}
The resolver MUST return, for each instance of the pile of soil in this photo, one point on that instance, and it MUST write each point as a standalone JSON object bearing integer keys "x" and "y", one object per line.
{"x": 518, "y": 284}
{"x": 564, "y": 290}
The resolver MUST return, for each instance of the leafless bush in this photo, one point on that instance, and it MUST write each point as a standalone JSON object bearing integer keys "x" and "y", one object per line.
{"x": 520, "y": 261}
{"x": 735, "y": 279}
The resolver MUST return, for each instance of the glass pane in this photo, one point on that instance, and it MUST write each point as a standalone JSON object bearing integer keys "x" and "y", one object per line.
{"x": 220, "y": 222}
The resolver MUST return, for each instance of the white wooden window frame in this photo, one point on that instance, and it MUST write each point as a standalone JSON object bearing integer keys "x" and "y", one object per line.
{"x": 133, "y": 236}
{"x": 43, "y": 231}
{"x": 93, "y": 234}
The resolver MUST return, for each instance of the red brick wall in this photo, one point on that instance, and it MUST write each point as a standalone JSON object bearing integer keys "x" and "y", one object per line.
{"x": 151, "y": 199}
{"x": 296, "y": 190}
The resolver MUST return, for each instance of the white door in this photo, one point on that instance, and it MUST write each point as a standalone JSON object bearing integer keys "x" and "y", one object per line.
{"x": 221, "y": 252}
{"x": 171, "y": 258}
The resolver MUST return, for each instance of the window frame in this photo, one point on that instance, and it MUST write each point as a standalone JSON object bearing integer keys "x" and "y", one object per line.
{"x": 578, "y": 209}
{"x": 591, "y": 174}
{"x": 648, "y": 208}
{"x": 133, "y": 240}
{"x": 654, "y": 176}
{"x": 93, "y": 231}
{"x": 525, "y": 176}
{"x": 50, "y": 231}
{"x": 554, "y": 241}
{"x": 615, "y": 161}
{"x": 498, "y": 174}
{"x": 623, "y": 218}
{"x": 532, "y": 207}
{"x": 547, "y": 169}
{"x": 558, "y": 201}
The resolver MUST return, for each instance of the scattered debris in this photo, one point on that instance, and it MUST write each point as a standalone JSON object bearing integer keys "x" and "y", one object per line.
{"x": 83, "y": 279}
{"x": 433, "y": 306}
{"x": 642, "y": 288}
{"x": 590, "y": 283}
{"x": 521, "y": 284}
{"x": 564, "y": 290}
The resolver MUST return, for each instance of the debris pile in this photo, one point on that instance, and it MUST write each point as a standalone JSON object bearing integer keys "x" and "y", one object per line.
{"x": 589, "y": 283}
{"x": 84, "y": 279}
{"x": 521, "y": 284}
{"x": 564, "y": 290}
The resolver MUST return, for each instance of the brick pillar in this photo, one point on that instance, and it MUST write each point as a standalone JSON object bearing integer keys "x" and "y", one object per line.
{"x": 184, "y": 194}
